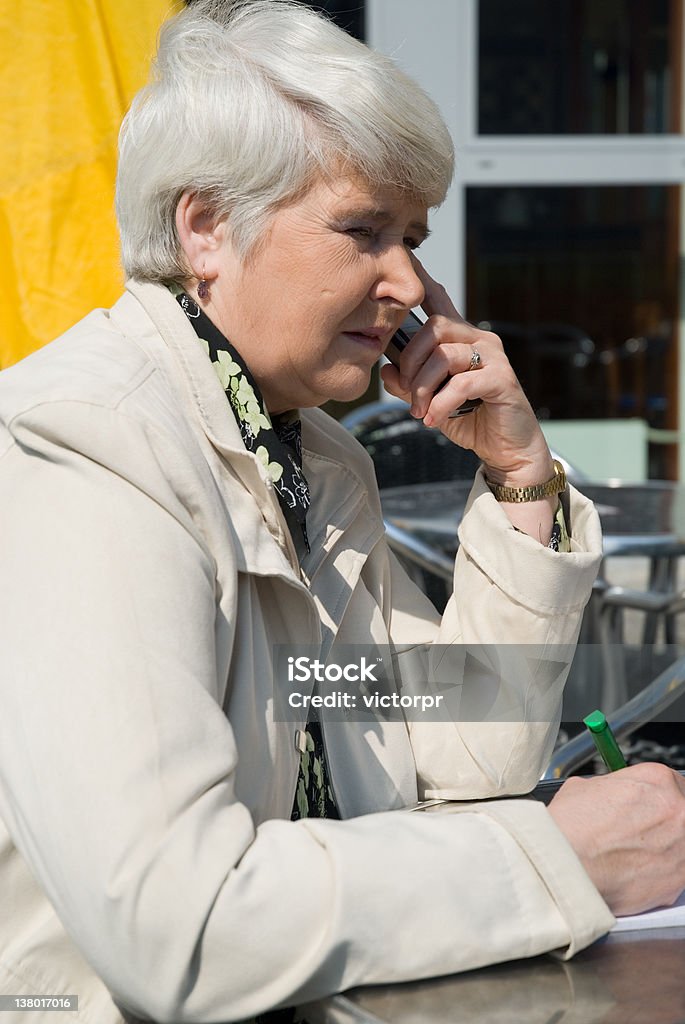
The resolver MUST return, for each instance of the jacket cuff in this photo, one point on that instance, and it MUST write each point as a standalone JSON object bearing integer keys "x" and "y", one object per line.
{"x": 535, "y": 576}
{"x": 585, "y": 913}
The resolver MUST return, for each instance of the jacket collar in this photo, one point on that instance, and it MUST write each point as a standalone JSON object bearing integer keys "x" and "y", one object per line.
{"x": 256, "y": 505}
{"x": 208, "y": 397}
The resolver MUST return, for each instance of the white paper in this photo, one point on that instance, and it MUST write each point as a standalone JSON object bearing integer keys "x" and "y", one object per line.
{"x": 664, "y": 917}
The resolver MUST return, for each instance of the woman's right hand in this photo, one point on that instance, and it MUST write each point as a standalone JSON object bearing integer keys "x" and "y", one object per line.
{"x": 628, "y": 829}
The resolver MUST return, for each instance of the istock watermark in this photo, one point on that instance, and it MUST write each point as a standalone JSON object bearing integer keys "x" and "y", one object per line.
{"x": 439, "y": 683}
{"x": 303, "y": 669}
{"x": 357, "y": 682}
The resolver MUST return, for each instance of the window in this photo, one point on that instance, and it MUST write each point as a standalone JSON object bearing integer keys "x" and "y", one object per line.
{"x": 576, "y": 66}
{"x": 580, "y": 283}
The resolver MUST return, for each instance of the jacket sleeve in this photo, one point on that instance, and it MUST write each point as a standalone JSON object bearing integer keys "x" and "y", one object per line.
{"x": 117, "y": 778}
{"x": 500, "y": 655}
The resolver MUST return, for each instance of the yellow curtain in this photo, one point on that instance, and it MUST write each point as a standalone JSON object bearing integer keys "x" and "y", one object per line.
{"x": 68, "y": 71}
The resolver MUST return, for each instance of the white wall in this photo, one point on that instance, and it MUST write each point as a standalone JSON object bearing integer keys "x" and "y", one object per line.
{"x": 421, "y": 37}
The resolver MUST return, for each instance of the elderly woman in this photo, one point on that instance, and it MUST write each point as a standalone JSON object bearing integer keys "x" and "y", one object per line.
{"x": 169, "y": 519}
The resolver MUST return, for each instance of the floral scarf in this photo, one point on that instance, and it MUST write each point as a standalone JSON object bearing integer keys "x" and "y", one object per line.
{"x": 276, "y": 441}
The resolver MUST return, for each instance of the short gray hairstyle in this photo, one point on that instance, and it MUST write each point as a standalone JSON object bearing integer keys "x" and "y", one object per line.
{"x": 250, "y": 102}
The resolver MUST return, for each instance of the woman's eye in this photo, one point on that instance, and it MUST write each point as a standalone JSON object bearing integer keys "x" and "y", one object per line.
{"x": 369, "y": 234}
{"x": 362, "y": 232}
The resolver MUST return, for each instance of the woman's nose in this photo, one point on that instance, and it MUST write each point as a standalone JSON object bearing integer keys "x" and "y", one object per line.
{"x": 397, "y": 279}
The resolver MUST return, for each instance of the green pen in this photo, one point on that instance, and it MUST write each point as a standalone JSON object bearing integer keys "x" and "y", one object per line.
{"x": 605, "y": 741}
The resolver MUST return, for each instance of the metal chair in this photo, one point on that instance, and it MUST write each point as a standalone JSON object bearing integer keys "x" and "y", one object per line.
{"x": 403, "y": 450}
{"x": 406, "y": 452}
{"x": 623, "y": 666}
{"x": 643, "y": 708}
{"x": 431, "y": 570}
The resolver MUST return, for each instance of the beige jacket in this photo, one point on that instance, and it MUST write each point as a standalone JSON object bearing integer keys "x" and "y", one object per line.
{"x": 145, "y": 789}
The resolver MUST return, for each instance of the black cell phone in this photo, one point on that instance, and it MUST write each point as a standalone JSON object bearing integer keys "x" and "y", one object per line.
{"x": 400, "y": 340}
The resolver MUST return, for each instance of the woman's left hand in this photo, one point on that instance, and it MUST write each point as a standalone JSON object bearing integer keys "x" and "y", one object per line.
{"x": 503, "y": 431}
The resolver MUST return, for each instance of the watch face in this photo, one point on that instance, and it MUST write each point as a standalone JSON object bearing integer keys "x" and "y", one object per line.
{"x": 560, "y": 473}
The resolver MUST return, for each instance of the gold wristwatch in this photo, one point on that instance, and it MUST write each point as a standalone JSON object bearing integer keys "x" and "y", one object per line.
{"x": 534, "y": 491}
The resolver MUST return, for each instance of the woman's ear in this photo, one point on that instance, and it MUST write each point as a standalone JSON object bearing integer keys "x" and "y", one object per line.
{"x": 202, "y": 236}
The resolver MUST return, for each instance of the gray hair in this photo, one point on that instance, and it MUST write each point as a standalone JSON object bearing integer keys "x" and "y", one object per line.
{"x": 250, "y": 102}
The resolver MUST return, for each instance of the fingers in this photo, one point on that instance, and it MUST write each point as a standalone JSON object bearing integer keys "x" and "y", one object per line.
{"x": 436, "y": 301}
{"x": 390, "y": 376}
{"x": 654, "y": 774}
{"x": 444, "y": 350}
{"x": 674, "y": 776}
{"x": 436, "y": 376}
{"x": 474, "y": 371}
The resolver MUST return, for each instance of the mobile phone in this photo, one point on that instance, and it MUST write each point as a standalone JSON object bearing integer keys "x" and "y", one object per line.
{"x": 400, "y": 340}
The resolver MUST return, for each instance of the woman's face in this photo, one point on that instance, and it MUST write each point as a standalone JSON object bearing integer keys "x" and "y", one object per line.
{"x": 314, "y": 308}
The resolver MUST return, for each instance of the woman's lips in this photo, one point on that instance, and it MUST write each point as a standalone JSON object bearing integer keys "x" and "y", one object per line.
{"x": 375, "y": 340}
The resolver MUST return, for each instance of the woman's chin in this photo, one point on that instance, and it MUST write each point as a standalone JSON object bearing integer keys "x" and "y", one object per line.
{"x": 346, "y": 388}
{"x": 354, "y": 383}
{"x": 349, "y": 393}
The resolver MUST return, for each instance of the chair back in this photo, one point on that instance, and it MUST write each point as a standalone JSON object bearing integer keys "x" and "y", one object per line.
{"x": 403, "y": 450}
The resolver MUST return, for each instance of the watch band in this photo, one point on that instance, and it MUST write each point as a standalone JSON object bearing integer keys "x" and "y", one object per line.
{"x": 533, "y": 492}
